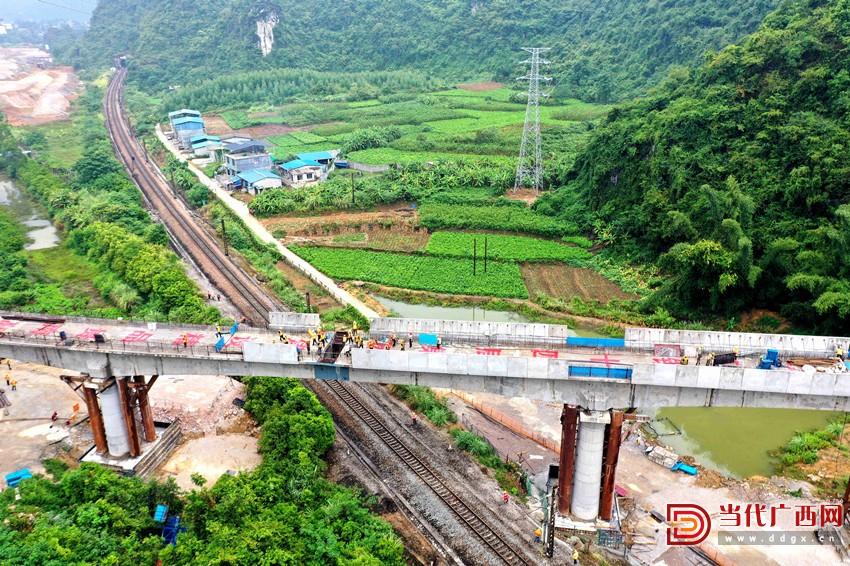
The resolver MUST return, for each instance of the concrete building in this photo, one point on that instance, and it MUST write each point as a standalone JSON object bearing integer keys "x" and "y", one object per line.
{"x": 302, "y": 173}
{"x": 205, "y": 145}
{"x": 235, "y": 163}
{"x": 255, "y": 181}
{"x": 186, "y": 128}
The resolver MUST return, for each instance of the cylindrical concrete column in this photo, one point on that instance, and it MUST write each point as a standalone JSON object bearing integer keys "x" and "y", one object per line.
{"x": 113, "y": 422}
{"x": 588, "y": 472}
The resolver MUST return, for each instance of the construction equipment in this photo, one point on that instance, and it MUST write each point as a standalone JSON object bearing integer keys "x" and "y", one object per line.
{"x": 771, "y": 360}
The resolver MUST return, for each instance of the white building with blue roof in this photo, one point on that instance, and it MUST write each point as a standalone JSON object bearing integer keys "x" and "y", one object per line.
{"x": 302, "y": 172}
{"x": 255, "y": 181}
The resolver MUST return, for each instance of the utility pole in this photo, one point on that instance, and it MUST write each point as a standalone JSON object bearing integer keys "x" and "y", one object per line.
{"x": 485, "y": 254}
{"x": 307, "y": 295}
{"x": 529, "y": 169}
{"x": 224, "y": 237}
{"x": 352, "y": 188}
{"x": 474, "y": 254}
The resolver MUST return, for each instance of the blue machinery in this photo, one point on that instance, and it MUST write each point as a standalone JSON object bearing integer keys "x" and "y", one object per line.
{"x": 171, "y": 524}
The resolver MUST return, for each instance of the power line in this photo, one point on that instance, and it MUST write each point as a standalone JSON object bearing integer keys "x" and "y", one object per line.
{"x": 65, "y": 7}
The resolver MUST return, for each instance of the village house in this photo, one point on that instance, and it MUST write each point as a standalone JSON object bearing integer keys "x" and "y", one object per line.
{"x": 244, "y": 154}
{"x": 209, "y": 146}
{"x": 301, "y": 173}
{"x": 185, "y": 128}
{"x": 255, "y": 181}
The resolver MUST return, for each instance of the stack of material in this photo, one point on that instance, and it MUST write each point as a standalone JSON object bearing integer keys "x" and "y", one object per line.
{"x": 812, "y": 365}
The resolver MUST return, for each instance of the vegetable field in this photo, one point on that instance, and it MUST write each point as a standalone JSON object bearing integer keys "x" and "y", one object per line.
{"x": 506, "y": 218}
{"x": 426, "y": 273}
{"x": 502, "y": 247}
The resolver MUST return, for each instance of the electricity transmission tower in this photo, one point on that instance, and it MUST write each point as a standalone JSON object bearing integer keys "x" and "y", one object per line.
{"x": 529, "y": 169}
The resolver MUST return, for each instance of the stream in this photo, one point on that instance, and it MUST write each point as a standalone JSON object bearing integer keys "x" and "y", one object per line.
{"x": 40, "y": 231}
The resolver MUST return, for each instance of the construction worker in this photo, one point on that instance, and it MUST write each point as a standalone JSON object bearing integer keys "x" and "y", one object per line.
{"x": 684, "y": 360}
{"x": 402, "y": 345}
{"x": 575, "y": 556}
{"x": 14, "y": 384}
{"x": 439, "y": 342}
{"x": 839, "y": 353}
{"x": 185, "y": 341}
{"x": 218, "y": 330}
{"x": 710, "y": 360}
{"x": 53, "y": 418}
{"x": 505, "y": 497}
{"x": 538, "y": 532}
{"x": 699, "y": 354}
{"x": 410, "y": 340}
{"x": 308, "y": 346}
{"x": 8, "y": 378}
{"x": 280, "y": 335}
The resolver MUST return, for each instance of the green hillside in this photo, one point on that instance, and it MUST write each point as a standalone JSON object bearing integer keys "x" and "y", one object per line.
{"x": 601, "y": 50}
{"x": 735, "y": 177}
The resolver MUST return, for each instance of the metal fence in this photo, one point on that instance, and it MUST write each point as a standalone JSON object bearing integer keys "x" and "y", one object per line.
{"x": 120, "y": 346}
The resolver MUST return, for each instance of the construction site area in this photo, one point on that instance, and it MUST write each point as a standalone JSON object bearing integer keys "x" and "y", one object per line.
{"x": 32, "y": 90}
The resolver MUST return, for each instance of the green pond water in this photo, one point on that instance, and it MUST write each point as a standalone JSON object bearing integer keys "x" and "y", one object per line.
{"x": 735, "y": 440}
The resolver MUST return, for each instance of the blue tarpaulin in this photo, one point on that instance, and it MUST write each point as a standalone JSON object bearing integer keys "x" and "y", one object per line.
{"x": 583, "y": 342}
{"x": 219, "y": 346}
{"x": 428, "y": 339}
{"x": 16, "y": 477}
{"x": 160, "y": 513}
{"x": 594, "y": 371}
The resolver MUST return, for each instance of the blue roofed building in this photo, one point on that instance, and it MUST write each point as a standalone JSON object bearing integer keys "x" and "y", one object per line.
{"x": 186, "y": 128}
{"x": 255, "y": 181}
{"x": 206, "y": 145}
{"x": 302, "y": 172}
{"x": 324, "y": 158}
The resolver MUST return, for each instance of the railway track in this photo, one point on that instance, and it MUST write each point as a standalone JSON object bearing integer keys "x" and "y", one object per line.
{"x": 430, "y": 477}
{"x": 242, "y": 290}
{"x": 253, "y": 301}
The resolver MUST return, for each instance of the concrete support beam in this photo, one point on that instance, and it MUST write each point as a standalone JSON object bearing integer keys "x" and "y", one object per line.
{"x": 141, "y": 389}
{"x": 113, "y": 422}
{"x": 96, "y": 420}
{"x": 566, "y": 467}
{"x": 129, "y": 416}
{"x": 610, "y": 456}
{"x": 588, "y": 472}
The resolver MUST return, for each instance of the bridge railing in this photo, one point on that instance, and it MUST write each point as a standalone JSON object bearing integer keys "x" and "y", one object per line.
{"x": 174, "y": 348}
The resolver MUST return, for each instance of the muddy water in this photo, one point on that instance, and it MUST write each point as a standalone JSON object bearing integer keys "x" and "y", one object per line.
{"x": 40, "y": 231}
{"x": 736, "y": 441}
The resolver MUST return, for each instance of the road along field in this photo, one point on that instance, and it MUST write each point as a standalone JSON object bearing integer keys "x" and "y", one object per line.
{"x": 30, "y": 95}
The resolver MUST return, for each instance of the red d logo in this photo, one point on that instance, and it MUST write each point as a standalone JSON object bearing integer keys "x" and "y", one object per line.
{"x": 687, "y": 524}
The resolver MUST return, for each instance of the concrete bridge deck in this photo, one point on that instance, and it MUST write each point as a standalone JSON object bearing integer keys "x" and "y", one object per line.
{"x": 517, "y": 360}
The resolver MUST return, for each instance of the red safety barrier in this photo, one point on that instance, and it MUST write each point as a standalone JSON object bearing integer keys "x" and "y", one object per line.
{"x": 544, "y": 353}
{"x": 488, "y": 351}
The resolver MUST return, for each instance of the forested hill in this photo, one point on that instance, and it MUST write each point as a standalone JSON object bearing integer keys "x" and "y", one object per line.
{"x": 737, "y": 175}
{"x": 601, "y": 49}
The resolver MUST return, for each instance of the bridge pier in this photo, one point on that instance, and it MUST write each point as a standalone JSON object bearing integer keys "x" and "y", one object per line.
{"x": 590, "y": 447}
{"x": 111, "y": 405}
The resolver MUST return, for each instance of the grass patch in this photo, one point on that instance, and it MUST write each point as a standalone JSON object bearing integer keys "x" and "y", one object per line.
{"x": 61, "y": 266}
{"x": 423, "y": 400}
{"x": 356, "y": 238}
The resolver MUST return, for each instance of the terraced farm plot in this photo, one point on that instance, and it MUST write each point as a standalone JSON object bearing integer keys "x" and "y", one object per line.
{"x": 426, "y": 273}
{"x": 503, "y": 247}
{"x": 385, "y": 155}
{"x": 435, "y": 216}
{"x": 565, "y": 282}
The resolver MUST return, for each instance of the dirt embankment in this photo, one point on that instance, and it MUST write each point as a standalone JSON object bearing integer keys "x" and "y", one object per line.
{"x": 32, "y": 91}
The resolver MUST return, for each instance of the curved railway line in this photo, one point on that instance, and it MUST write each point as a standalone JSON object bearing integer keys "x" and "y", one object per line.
{"x": 242, "y": 290}
{"x": 253, "y": 301}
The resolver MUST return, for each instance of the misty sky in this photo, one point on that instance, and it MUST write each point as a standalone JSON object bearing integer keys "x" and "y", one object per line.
{"x": 46, "y": 10}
